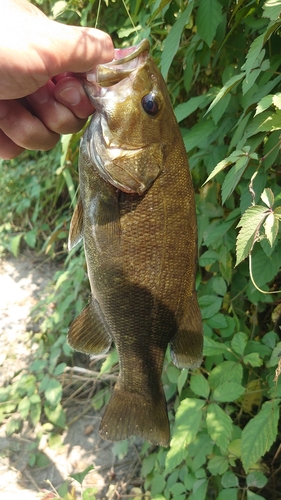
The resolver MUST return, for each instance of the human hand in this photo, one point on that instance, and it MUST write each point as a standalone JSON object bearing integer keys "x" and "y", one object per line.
{"x": 40, "y": 97}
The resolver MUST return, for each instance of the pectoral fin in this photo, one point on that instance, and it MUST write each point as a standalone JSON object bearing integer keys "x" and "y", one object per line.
{"x": 89, "y": 332}
{"x": 76, "y": 226}
{"x": 187, "y": 344}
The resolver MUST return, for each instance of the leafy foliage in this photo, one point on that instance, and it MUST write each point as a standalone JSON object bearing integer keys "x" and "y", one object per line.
{"x": 221, "y": 59}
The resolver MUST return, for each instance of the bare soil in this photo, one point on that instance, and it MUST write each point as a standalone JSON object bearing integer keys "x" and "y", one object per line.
{"x": 22, "y": 282}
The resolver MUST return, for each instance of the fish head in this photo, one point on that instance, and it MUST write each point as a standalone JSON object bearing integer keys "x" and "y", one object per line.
{"x": 126, "y": 138}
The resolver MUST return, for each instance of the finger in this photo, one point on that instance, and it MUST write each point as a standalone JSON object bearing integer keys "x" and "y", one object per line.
{"x": 69, "y": 91}
{"x": 55, "y": 116}
{"x": 8, "y": 149}
{"x": 80, "y": 49}
{"x": 24, "y": 129}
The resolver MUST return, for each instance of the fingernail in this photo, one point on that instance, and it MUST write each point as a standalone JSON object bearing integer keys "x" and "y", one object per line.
{"x": 70, "y": 95}
{"x": 41, "y": 96}
{"x": 3, "y": 109}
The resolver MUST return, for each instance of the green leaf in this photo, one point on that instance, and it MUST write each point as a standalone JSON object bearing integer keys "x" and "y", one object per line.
{"x": 53, "y": 392}
{"x": 230, "y": 84}
{"x": 233, "y": 176}
{"x": 252, "y": 359}
{"x": 55, "y": 415}
{"x": 90, "y": 493}
{"x": 208, "y": 19}
{"x": 218, "y": 465}
{"x": 227, "y": 371}
{"x": 198, "y": 135}
{"x": 110, "y": 361}
{"x": 259, "y": 433}
{"x": 158, "y": 483}
{"x": 250, "y": 224}
{"x": 239, "y": 342}
{"x": 264, "y": 104}
{"x": 30, "y": 238}
{"x": 271, "y": 228}
{"x": 185, "y": 109}
{"x": 24, "y": 407}
{"x": 267, "y": 197}
{"x": 256, "y": 479}
{"x": 276, "y": 99}
{"x": 15, "y": 244}
{"x": 253, "y": 53}
{"x": 199, "y": 385}
{"x": 228, "y": 391}
{"x": 229, "y": 480}
{"x": 213, "y": 348}
{"x": 272, "y": 9}
{"x": 172, "y": 41}
{"x": 208, "y": 258}
{"x": 182, "y": 378}
{"x": 219, "y": 425}
{"x": 209, "y": 305}
{"x": 187, "y": 424}
{"x": 228, "y": 494}
{"x": 80, "y": 476}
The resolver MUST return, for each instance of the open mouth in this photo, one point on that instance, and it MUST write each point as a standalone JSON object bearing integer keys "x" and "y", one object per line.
{"x": 125, "y": 61}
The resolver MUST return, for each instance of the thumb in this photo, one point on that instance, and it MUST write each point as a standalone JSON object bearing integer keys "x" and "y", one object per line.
{"x": 79, "y": 49}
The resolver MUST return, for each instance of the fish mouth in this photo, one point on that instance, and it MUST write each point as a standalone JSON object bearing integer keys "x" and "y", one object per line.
{"x": 124, "y": 63}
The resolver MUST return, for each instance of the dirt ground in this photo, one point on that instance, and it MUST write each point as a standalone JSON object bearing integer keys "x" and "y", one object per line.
{"x": 22, "y": 281}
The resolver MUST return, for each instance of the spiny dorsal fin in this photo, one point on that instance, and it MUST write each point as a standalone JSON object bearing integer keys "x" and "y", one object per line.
{"x": 89, "y": 332}
{"x": 76, "y": 226}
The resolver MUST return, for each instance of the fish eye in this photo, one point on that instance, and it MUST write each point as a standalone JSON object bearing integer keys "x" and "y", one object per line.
{"x": 150, "y": 104}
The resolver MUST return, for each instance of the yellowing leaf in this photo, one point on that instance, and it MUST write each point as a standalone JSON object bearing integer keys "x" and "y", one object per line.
{"x": 276, "y": 99}
{"x": 252, "y": 396}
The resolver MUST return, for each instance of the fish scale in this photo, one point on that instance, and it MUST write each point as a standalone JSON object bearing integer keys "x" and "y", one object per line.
{"x": 137, "y": 218}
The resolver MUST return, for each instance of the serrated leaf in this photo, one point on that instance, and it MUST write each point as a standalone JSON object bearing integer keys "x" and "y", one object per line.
{"x": 219, "y": 425}
{"x": 270, "y": 123}
{"x": 208, "y": 258}
{"x": 253, "y": 53}
{"x": 228, "y": 371}
{"x": 272, "y": 9}
{"x": 233, "y": 176}
{"x": 232, "y": 82}
{"x": 267, "y": 197}
{"x": 198, "y": 134}
{"x": 264, "y": 104}
{"x": 253, "y": 359}
{"x": 185, "y": 109}
{"x": 228, "y": 391}
{"x": 265, "y": 267}
{"x": 271, "y": 228}
{"x": 187, "y": 424}
{"x": 209, "y": 305}
{"x": 172, "y": 41}
{"x": 250, "y": 224}
{"x": 239, "y": 342}
{"x": 207, "y": 19}
{"x": 199, "y": 385}
{"x": 213, "y": 348}
{"x": 253, "y": 396}
{"x": 259, "y": 434}
{"x": 276, "y": 99}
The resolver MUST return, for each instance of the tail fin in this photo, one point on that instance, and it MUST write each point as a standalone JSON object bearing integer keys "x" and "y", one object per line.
{"x": 129, "y": 413}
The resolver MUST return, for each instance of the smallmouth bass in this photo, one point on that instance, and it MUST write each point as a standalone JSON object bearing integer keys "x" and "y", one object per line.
{"x": 137, "y": 218}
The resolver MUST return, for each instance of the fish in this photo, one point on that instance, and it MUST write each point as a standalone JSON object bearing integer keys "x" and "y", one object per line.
{"x": 136, "y": 216}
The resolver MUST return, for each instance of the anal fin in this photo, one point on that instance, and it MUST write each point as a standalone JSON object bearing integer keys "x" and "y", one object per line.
{"x": 89, "y": 332}
{"x": 187, "y": 344}
{"x": 76, "y": 226}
